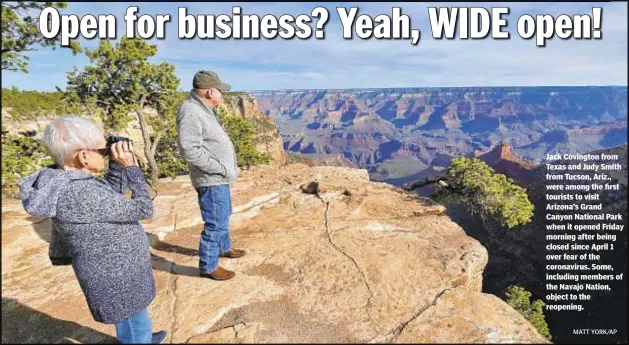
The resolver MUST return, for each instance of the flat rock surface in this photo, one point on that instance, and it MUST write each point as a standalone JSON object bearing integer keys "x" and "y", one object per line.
{"x": 331, "y": 257}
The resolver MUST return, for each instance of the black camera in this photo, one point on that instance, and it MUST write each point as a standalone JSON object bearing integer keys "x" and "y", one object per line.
{"x": 112, "y": 139}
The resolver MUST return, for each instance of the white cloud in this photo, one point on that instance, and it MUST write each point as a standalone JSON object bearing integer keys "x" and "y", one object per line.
{"x": 339, "y": 63}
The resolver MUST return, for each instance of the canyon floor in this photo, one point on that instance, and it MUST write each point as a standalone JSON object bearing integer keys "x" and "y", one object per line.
{"x": 331, "y": 257}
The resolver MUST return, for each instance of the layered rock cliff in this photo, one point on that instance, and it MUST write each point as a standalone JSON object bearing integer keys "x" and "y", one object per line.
{"x": 384, "y": 129}
{"x": 267, "y": 137}
{"x": 331, "y": 257}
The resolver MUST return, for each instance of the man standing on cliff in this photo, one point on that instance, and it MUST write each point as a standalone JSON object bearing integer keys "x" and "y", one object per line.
{"x": 211, "y": 158}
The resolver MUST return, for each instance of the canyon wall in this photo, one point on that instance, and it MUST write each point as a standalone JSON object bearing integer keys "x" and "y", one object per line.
{"x": 397, "y": 132}
{"x": 267, "y": 138}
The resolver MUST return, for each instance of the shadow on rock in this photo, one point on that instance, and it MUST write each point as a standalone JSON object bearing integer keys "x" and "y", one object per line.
{"x": 163, "y": 264}
{"x": 22, "y": 324}
{"x": 170, "y": 248}
{"x": 42, "y": 226}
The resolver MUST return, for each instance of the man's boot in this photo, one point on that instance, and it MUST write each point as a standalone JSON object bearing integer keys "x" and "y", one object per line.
{"x": 219, "y": 274}
{"x": 233, "y": 253}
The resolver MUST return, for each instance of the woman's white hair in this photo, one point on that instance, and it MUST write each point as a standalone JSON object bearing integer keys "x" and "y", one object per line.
{"x": 65, "y": 135}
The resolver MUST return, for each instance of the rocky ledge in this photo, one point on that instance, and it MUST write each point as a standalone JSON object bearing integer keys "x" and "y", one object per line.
{"x": 331, "y": 257}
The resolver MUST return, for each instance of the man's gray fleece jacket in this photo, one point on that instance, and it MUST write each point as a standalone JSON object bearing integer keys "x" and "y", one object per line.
{"x": 204, "y": 144}
{"x": 97, "y": 229}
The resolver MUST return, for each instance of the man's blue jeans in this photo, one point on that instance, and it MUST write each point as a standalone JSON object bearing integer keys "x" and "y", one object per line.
{"x": 135, "y": 330}
{"x": 216, "y": 208}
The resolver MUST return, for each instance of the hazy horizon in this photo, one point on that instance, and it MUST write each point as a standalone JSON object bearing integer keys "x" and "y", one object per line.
{"x": 390, "y": 88}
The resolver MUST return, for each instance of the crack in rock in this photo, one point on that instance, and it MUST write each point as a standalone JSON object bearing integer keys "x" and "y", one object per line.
{"x": 237, "y": 332}
{"x": 172, "y": 287}
{"x": 329, "y": 237}
{"x": 401, "y": 327}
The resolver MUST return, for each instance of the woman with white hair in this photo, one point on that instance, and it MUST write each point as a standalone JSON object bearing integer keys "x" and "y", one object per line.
{"x": 97, "y": 225}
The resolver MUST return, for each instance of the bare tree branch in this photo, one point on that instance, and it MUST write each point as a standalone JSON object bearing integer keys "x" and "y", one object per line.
{"x": 418, "y": 184}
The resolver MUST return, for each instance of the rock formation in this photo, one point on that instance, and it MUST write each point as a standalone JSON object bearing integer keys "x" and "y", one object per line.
{"x": 504, "y": 161}
{"x": 267, "y": 138}
{"x": 334, "y": 160}
{"x": 411, "y": 127}
{"x": 332, "y": 257}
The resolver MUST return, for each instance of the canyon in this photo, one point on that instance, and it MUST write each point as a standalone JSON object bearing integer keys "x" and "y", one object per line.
{"x": 302, "y": 221}
{"x": 395, "y": 133}
{"x": 405, "y": 135}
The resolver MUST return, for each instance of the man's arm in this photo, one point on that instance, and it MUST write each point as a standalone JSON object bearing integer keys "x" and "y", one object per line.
{"x": 190, "y": 139}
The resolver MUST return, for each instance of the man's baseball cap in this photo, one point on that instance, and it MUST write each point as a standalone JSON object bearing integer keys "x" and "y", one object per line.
{"x": 208, "y": 79}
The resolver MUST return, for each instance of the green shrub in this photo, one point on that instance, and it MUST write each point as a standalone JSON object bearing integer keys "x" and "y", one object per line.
{"x": 520, "y": 299}
{"x": 486, "y": 193}
{"x": 262, "y": 125}
{"x": 242, "y": 134}
{"x": 28, "y": 105}
{"x": 169, "y": 160}
{"x": 21, "y": 156}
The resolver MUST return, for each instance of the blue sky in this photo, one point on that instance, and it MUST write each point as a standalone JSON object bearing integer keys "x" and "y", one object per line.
{"x": 338, "y": 63}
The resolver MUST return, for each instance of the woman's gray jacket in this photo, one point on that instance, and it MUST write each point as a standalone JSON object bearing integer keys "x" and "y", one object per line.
{"x": 98, "y": 230}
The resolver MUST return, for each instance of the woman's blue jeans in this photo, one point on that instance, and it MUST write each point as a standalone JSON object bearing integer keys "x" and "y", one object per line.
{"x": 135, "y": 330}
{"x": 216, "y": 208}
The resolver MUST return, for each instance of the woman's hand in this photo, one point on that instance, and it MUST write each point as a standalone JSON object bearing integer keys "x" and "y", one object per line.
{"x": 122, "y": 152}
